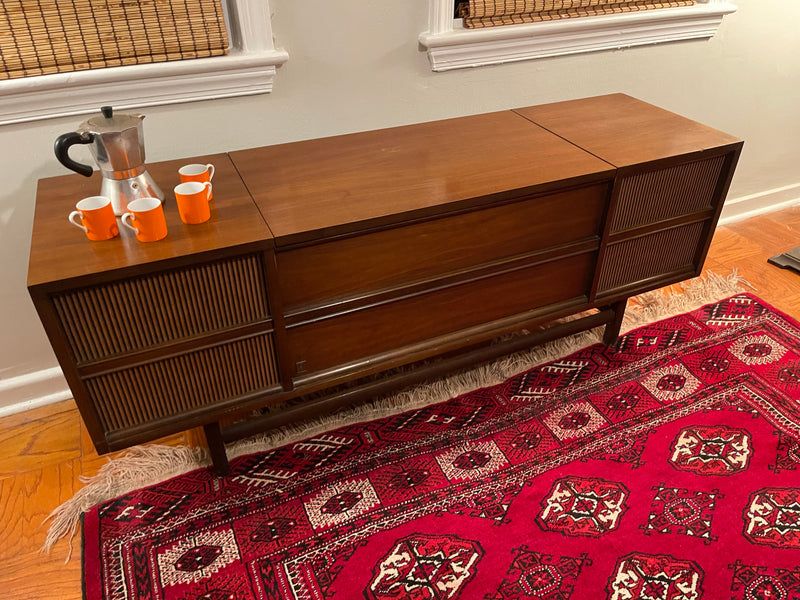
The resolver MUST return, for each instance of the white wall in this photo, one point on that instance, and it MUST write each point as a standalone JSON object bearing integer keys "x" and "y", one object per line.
{"x": 745, "y": 81}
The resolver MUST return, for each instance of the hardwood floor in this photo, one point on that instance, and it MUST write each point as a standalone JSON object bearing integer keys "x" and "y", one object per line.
{"x": 43, "y": 452}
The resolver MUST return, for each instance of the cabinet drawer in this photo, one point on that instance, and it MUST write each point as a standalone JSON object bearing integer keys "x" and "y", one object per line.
{"x": 177, "y": 385}
{"x": 387, "y": 327}
{"x": 661, "y": 253}
{"x": 661, "y": 194}
{"x": 133, "y": 314}
{"x": 351, "y": 267}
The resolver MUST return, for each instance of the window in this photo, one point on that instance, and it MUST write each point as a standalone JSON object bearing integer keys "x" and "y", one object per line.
{"x": 451, "y": 46}
{"x": 249, "y": 68}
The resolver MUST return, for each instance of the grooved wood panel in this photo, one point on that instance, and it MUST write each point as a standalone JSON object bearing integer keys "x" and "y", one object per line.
{"x": 653, "y": 196}
{"x": 352, "y": 266}
{"x": 649, "y": 255}
{"x": 392, "y": 325}
{"x": 175, "y": 385}
{"x": 137, "y": 313}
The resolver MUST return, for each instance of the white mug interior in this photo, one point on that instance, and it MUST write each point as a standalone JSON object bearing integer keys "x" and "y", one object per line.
{"x": 192, "y": 187}
{"x": 197, "y": 169}
{"x": 143, "y": 204}
{"x": 92, "y": 203}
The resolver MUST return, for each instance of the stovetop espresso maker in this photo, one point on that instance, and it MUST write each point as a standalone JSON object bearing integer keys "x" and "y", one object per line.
{"x": 116, "y": 142}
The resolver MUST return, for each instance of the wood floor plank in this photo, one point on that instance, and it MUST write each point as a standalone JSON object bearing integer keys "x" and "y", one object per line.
{"x": 788, "y": 218}
{"x": 27, "y": 500}
{"x": 35, "y": 444}
{"x": 12, "y": 422}
{"x": 34, "y": 576}
{"x": 196, "y": 437}
{"x": 780, "y": 238}
{"x": 730, "y": 247}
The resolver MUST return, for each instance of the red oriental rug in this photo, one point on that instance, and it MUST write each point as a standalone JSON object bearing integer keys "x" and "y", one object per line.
{"x": 665, "y": 468}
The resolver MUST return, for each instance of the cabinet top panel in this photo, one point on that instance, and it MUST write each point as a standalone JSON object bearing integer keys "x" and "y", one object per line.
{"x": 60, "y": 251}
{"x": 625, "y": 131}
{"x": 331, "y": 185}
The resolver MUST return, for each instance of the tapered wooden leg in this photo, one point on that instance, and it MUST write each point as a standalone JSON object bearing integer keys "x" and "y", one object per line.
{"x": 217, "y": 449}
{"x": 612, "y": 328}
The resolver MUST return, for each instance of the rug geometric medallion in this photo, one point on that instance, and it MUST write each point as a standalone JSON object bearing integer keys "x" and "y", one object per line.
{"x": 666, "y": 467}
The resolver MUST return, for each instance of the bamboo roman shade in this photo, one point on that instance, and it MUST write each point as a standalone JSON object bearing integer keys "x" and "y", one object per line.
{"x": 39, "y": 37}
{"x": 491, "y": 13}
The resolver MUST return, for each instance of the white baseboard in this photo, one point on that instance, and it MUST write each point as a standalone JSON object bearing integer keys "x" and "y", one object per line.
{"x": 738, "y": 209}
{"x": 32, "y": 390}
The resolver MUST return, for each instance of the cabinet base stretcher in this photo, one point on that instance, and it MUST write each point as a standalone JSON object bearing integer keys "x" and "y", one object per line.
{"x": 217, "y": 436}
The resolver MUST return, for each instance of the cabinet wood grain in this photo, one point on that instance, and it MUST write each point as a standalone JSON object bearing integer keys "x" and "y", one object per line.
{"x": 333, "y": 260}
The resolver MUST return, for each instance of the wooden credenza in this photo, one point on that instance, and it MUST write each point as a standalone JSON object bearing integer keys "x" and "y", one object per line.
{"x": 328, "y": 263}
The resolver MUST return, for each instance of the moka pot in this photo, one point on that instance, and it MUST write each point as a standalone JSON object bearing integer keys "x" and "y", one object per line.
{"x": 116, "y": 142}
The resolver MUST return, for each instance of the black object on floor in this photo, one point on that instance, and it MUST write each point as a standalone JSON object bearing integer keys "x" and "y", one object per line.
{"x": 788, "y": 260}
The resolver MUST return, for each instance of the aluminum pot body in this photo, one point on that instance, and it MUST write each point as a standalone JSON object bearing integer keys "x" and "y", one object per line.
{"x": 116, "y": 142}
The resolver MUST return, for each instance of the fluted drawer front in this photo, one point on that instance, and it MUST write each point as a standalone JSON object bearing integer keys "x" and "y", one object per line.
{"x": 657, "y": 195}
{"x": 176, "y": 385}
{"x": 141, "y": 312}
{"x": 640, "y": 258}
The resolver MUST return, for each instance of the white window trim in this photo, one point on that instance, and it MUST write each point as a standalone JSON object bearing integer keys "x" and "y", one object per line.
{"x": 248, "y": 69}
{"x": 451, "y": 46}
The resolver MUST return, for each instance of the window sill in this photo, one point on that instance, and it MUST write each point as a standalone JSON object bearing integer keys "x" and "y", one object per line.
{"x": 450, "y": 46}
{"x": 80, "y": 92}
{"x": 248, "y": 69}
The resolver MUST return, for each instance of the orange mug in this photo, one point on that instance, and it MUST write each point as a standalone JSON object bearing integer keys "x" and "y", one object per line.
{"x": 197, "y": 172}
{"x": 193, "y": 198}
{"x": 146, "y": 217}
{"x": 96, "y": 218}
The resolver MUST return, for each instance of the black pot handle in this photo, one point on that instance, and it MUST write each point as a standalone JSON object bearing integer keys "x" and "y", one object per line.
{"x": 63, "y": 142}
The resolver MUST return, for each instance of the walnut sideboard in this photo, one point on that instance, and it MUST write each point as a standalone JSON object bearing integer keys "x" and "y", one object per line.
{"x": 329, "y": 263}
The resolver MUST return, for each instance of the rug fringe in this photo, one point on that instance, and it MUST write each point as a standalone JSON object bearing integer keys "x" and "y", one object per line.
{"x": 662, "y": 304}
{"x": 141, "y": 466}
{"x": 137, "y": 467}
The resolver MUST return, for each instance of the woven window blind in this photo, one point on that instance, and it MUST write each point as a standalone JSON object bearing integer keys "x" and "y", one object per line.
{"x": 39, "y": 37}
{"x": 491, "y": 13}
